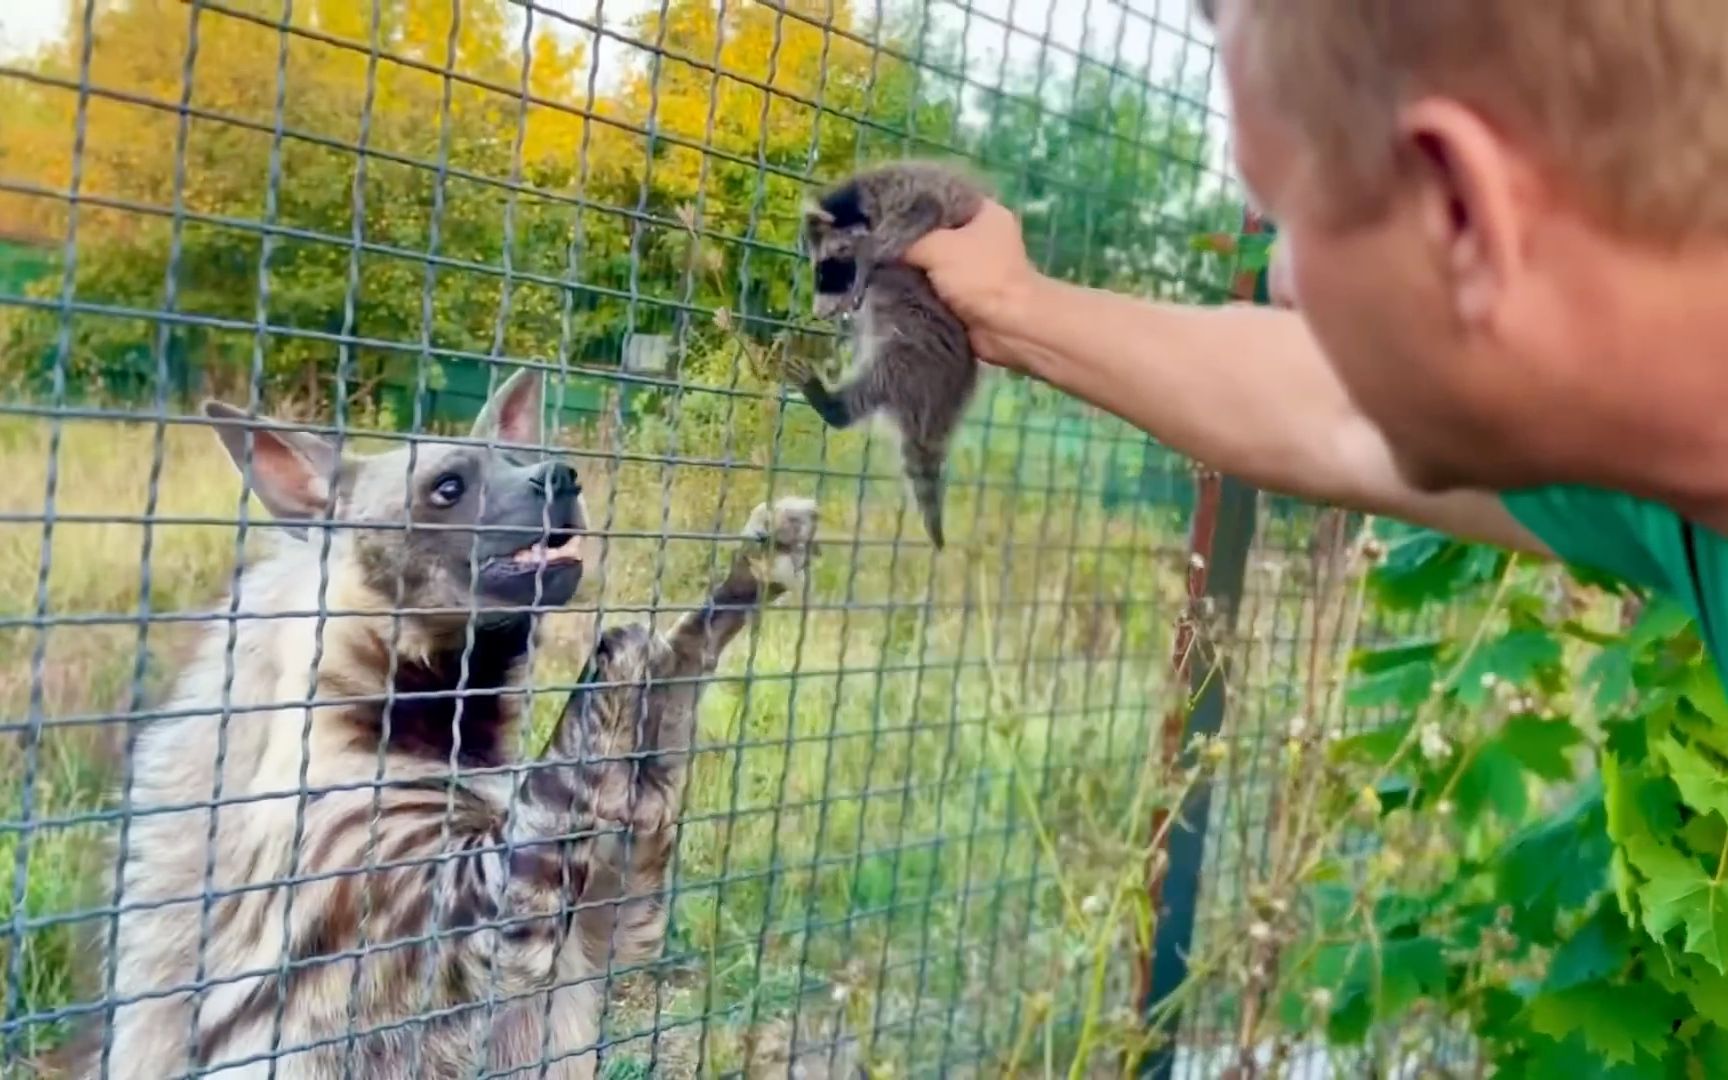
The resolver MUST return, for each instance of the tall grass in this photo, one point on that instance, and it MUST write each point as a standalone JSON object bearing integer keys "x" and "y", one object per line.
{"x": 907, "y": 813}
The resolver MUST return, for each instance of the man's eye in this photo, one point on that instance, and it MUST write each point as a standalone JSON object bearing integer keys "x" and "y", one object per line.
{"x": 448, "y": 490}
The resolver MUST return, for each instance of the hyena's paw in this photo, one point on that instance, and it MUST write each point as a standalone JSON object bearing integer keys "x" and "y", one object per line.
{"x": 780, "y": 539}
{"x": 641, "y": 794}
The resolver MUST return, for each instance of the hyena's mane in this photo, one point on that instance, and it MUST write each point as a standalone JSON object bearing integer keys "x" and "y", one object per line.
{"x": 453, "y": 701}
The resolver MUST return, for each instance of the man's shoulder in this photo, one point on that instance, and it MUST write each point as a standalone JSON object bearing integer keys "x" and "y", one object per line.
{"x": 1642, "y": 541}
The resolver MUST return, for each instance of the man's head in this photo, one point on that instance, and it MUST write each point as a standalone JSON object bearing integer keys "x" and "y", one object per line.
{"x": 1479, "y": 204}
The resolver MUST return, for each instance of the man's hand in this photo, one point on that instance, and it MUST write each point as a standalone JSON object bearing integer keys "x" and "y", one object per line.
{"x": 982, "y": 273}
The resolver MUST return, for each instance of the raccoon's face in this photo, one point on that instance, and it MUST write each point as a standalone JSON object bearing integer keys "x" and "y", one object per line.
{"x": 474, "y": 527}
{"x": 834, "y": 250}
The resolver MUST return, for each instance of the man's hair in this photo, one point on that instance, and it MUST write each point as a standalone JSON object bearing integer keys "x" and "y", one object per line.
{"x": 1624, "y": 102}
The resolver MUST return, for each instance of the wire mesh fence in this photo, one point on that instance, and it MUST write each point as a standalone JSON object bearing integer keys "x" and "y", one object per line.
{"x": 355, "y": 836}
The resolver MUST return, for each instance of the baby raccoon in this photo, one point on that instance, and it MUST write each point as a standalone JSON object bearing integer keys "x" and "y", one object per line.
{"x": 913, "y": 362}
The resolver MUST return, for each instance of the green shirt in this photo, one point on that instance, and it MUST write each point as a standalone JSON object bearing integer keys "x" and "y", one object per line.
{"x": 1643, "y": 542}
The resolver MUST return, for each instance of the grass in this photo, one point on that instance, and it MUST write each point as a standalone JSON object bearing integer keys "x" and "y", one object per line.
{"x": 910, "y": 792}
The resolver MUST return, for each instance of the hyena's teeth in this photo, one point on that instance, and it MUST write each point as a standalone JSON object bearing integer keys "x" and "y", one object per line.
{"x": 538, "y": 554}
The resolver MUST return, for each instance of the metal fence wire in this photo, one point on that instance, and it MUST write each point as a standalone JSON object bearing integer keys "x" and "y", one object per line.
{"x": 263, "y": 802}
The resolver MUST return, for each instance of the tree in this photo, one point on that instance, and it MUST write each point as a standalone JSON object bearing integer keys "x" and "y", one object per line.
{"x": 406, "y": 222}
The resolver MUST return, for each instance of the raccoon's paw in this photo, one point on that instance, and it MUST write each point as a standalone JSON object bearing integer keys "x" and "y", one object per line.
{"x": 781, "y": 538}
{"x": 794, "y": 370}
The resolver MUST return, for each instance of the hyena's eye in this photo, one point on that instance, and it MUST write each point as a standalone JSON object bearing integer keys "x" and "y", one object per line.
{"x": 448, "y": 490}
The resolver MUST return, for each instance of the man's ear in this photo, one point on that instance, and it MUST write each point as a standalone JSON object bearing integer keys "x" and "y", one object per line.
{"x": 513, "y": 414}
{"x": 292, "y": 471}
{"x": 1474, "y": 192}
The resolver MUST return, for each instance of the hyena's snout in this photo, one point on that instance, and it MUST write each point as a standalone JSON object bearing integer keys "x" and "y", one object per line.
{"x": 537, "y": 529}
{"x": 556, "y": 482}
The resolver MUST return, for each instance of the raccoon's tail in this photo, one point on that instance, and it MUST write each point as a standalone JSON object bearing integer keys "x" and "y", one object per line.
{"x": 924, "y": 469}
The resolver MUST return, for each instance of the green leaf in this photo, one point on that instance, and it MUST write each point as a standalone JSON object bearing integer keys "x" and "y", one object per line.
{"x": 1703, "y": 686}
{"x": 1332, "y": 905}
{"x": 1660, "y": 621}
{"x": 1515, "y": 658}
{"x": 1616, "y": 1021}
{"x": 1609, "y": 678}
{"x": 1374, "y": 747}
{"x": 1493, "y": 780}
{"x": 1541, "y": 745}
{"x": 1678, "y": 892}
{"x": 1659, "y": 803}
{"x": 1599, "y": 949}
{"x": 1705, "y": 990}
{"x": 1329, "y": 873}
{"x": 1554, "y": 866}
{"x": 1703, "y": 731}
{"x": 1711, "y": 1049}
{"x": 1704, "y": 834}
{"x": 1214, "y": 243}
{"x": 1256, "y": 252}
{"x": 1405, "y": 687}
{"x": 1351, "y": 1019}
{"x": 1423, "y": 566}
{"x": 1628, "y": 740}
{"x": 1374, "y": 661}
{"x": 1410, "y": 969}
{"x": 1639, "y": 804}
{"x": 1397, "y": 913}
{"x": 1608, "y": 583}
{"x": 1702, "y": 783}
{"x": 1544, "y": 1059}
{"x": 1394, "y": 793}
{"x": 1502, "y": 1013}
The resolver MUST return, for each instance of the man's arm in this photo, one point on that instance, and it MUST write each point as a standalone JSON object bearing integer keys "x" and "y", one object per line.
{"x": 1242, "y": 389}
{"x": 1245, "y": 390}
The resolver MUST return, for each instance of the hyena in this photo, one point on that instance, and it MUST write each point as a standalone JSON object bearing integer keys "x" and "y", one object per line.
{"x": 310, "y": 889}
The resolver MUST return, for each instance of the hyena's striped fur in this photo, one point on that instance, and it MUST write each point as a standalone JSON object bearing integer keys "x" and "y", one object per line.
{"x": 286, "y": 914}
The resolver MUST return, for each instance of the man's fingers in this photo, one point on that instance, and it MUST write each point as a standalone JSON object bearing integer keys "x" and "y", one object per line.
{"x": 930, "y": 249}
{"x": 939, "y": 244}
{"x": 994, "y": 217}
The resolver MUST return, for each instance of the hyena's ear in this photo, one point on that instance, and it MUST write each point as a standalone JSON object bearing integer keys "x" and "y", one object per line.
{"x": 291, "y": 470}
{"x": 513, "y": 415}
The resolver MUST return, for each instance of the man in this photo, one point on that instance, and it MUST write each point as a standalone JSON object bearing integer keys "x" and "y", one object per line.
{"x": 1506, "y": 228}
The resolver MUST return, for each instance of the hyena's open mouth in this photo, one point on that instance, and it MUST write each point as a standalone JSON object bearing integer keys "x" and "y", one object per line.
{"x": 545, "y": 572}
